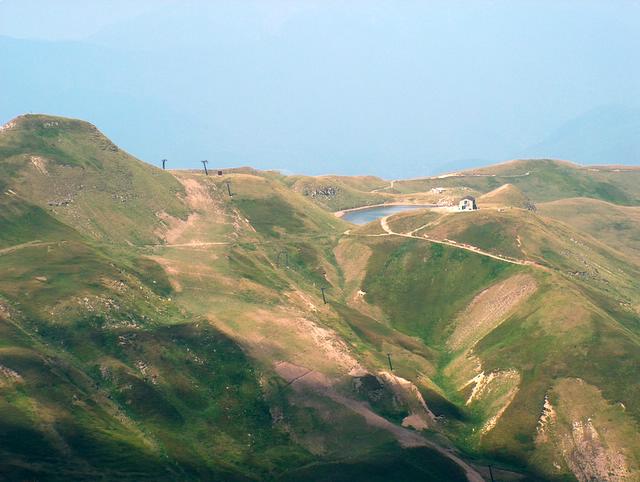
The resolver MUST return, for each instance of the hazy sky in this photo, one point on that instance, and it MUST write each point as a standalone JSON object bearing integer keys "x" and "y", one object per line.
{"x": 394, "y": 88}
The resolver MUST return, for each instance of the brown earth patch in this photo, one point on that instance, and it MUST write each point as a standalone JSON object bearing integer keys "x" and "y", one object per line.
{"x": 208, "y": 217}
{"x": 420, "y": 417}
{"x": 40, "y": 163}
{"x": 582, "y": 433}
{"x": 198, "y": 195}
{"x": 353, "y": 258}
{"x": 292, "y": 338}
{"x": 489, "y": 309}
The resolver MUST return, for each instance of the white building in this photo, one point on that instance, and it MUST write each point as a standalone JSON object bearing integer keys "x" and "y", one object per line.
{"x": 468, "y": 203}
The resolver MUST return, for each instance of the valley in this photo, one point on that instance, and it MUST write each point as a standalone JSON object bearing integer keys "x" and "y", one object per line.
{"x": 174, "y": 325}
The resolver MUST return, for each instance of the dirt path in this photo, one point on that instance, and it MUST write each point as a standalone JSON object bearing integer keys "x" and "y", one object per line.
{"x": 453, "y": 174}
{"x": 304, "y": 378}
{"x": 30, "y": 244}
{"x": 193, "y": 244}
{"x": 390, "y": 186}
{"x": 406, "y": 437}
{"x": 474, "y": 249}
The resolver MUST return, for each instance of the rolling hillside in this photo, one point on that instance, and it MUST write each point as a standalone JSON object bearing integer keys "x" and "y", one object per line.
{"x": 542, "y": 180}
{"x": 71, "y": 169}
{"x": 539, "y": 334}
{"x": 173, "y": 325}
{"x": 617, "y": 226}
{"x": 142, "y": 331}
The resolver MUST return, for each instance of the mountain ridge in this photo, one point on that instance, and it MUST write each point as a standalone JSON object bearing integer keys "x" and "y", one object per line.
{"x": 238, "y": 311}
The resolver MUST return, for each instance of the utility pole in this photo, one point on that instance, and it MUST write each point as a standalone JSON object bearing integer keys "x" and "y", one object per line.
{"x": 324, "y": 299}
{"x": 389, "y": 358}
{"x": 229, "y": 188}
{"x": 204, "y": 163}
{"x": 491, "y": 473}
{"x": 164, "y": 161}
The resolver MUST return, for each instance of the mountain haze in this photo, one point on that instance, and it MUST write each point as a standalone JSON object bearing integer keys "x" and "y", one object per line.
{"x": 327, "y": 87}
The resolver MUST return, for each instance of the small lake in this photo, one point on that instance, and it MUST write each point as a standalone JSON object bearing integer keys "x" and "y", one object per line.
{"x": 366, "y": 215}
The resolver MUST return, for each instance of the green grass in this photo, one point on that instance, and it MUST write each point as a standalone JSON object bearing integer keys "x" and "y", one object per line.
{"x": 378, "y": 334}
{"x": 200, "y": 401}
{"x": 420, "y": 286}
{"x": 271, "y": 217}
{"x": 336, "y": 193}
{"x": 117, "y": 378}
{"x": 493, "y": 236}
{"x": 596, "y": 351}
{"x": 392, "y": 464}
{"x": 618, "y": 226}
{"x": 548, "y": 180}
{"x": 22, "y": 223}
{"x": 114, "y": 197}
{"x": 409, "y": 221}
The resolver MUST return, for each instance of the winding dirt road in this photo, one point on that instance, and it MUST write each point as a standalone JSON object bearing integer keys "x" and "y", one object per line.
{"x": 301, "y": 378}
{"x": 474, "y": 249}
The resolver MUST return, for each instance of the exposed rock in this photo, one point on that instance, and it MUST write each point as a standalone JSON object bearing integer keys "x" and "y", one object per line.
{"x": 58, "y": 203}
{"x": 8, "y": 125}
{"x": 547, "y": 417}
{"x": 40, "y": 163}
{"x": 323, "y": 191}
{"x": 496, "y": 390}
{"x": 588, "y": 458}
{"x": 9, "y": 375}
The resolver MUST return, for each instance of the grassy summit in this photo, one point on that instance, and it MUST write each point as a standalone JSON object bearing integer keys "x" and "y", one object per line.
{"x": 71, "y": 168}
{"x": 155, "y": 326}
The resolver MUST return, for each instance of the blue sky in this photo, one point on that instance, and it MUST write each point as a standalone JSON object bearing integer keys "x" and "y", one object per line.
{"x": 393, "y": 88}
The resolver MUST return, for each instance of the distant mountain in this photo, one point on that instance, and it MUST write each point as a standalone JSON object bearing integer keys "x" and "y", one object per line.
{"x": 458, "y": 165}
{"x": 607, "y": 135}
{"x": 542, "y": 180}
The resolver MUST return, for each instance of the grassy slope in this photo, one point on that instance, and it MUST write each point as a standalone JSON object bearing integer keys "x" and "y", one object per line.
{"x": 413, "y": 292}
{"x": 247, "y": 290}
{"x": 560, "y": 333}
{"x": 538, "y": 341}
{"x": 110, "y": 195}
{"x": 410, "y": 465}
{"x": 547, "y": 180}
{"x": 505, "y": 195}
{"x": 521, "y": 234}
{"x": 114, "y": 379}
{"x": 568, "y": 329}
{"x": 336, "y": 193}
{"x": 406, "y": 278}
{"x": 174, "y": 394}
{"x": 617, "y": 226}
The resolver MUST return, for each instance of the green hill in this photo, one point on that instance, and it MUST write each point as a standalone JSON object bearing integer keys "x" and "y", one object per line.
{"x": 617, "y": 226}
{"x": 178, "y": 326}
{"x": 506, "y": 195}
{"x": 121, "y": 322}
{"x": 101, "y": 373}
{"x": 582, "y": 308}
{"x": 335, "y": 193}
{"x": 543, "y": 180}
{"x": 70, "y": 168}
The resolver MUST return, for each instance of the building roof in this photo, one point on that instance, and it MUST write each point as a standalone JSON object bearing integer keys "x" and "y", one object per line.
{"x": 470, "y": 198}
